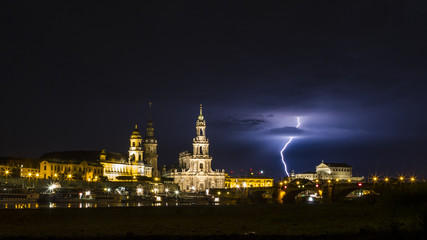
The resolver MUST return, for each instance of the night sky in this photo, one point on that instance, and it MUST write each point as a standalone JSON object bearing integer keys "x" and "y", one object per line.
{"x": 79, "y": 76}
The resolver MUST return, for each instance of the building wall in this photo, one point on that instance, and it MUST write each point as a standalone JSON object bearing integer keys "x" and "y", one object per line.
{"x": 113, "y": 170}
{"x": 242, "y": 182}
{"x": 54, "y": 170}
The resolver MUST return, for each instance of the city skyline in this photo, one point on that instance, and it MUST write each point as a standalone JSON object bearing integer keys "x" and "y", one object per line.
{"x": 80, "y": 78}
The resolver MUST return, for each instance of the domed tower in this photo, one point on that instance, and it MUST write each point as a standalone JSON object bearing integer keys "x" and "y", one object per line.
{"x": 150, "y": 146}
{"x": 135, "y": 149}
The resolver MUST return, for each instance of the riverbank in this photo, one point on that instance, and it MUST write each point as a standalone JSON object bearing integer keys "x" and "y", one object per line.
{"x": 228, "y": 222}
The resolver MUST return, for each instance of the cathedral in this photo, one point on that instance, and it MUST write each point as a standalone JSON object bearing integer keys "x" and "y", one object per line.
{"x": 195, "y": 171}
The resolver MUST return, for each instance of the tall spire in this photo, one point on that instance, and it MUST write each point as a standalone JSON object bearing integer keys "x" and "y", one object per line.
{"x": 201, "y": 118}
{"x": 149, "y": 106}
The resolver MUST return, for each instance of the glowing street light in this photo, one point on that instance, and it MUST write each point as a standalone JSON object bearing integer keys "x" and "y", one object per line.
{"x": 386, "y": 179}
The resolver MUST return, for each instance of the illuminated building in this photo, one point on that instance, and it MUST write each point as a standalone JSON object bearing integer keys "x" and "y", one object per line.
{"x": 329, "y": 171}
{"x": 116, "y": 167}
{"x": 195, "y": 171}
{"x": 19, "y": 167}
{"x": 248, "y": 182}
{"x": 59, "y": 169}
{"x": 150, "y": 147}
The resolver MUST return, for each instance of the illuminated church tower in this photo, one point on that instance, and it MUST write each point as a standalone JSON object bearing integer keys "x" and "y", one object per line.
{"x": 150, "y": 146}
{"x": 195, "y": 172}
{"x": 135, "y": 149}
{"x": 201, "y": 158}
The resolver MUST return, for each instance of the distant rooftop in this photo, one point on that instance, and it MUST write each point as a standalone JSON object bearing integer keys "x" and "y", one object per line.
{"x": 80, "y": 156}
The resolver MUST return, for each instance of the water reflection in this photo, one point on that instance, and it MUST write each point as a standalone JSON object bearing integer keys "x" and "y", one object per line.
{"x": 51, "y": 205}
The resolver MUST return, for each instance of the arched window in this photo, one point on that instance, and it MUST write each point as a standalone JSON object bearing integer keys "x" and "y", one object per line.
{"x": 201, "y": 166}
{"x": 201, "y": 150}
{"x": 133, "y": 144}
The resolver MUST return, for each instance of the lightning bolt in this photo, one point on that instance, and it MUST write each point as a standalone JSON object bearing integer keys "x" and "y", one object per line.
{"x": 286, "y": 145}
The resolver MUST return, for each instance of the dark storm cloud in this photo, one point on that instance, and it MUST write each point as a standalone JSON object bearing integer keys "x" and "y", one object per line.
{"x": 238, "y": 124}
{"x": 286, "y": 131}
{"x": 78, "y": 78}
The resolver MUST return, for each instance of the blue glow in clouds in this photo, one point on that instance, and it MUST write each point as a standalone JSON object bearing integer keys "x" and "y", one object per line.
{"x": 284, "y": 148}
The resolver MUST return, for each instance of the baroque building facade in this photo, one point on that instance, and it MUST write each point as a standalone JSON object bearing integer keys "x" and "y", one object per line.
{"x": 329, "y": 171}
{"x": 195, "y": 169}
{"x": 135, "y": 166}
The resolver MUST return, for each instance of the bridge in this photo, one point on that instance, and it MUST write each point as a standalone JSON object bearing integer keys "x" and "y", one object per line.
{"x": 330, "y": 192}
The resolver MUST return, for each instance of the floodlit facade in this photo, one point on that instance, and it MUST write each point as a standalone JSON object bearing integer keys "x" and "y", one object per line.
{"x": 195, "y": 170}
{"x": 329, "y": 171}
{"x": 114, "y": 168}
{"x": 248, "y": 182}
{"x": 60, "y": 169}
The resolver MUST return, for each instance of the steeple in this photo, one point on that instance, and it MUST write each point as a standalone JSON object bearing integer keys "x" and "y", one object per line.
{"x": 135, "y": 148}
{"x": 149, "y": 108}
{"x": 201, "y": 118}
{"x": 150, "y": 145}
{"x": 201, "y": 143}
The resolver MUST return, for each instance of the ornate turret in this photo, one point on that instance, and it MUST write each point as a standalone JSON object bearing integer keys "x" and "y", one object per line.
{"x": 201, "y": 143}
{"x": 135, "y": 149}
{"x": 150, "y": 146}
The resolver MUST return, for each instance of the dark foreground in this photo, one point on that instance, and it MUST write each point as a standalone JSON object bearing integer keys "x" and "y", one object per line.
{"x": 336, "y": 221}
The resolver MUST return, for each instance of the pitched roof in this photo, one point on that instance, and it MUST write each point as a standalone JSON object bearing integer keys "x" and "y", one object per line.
{"x": 80, "y": 156}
